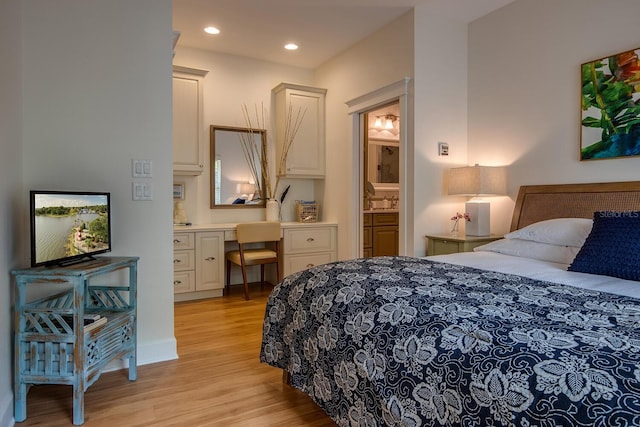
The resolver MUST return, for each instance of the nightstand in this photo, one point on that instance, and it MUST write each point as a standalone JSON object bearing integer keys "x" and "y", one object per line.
{"x": 442, "y": 244}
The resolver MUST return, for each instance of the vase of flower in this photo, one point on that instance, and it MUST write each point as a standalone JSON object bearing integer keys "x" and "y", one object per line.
{"x": 273, "y": 210}
{"x": 455, "y": 222}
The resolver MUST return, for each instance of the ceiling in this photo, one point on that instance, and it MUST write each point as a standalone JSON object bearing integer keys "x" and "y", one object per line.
{"x": 322, "y": 28}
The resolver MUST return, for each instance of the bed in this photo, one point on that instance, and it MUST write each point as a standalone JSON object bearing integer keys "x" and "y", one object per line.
{"x": 502, "y": 336}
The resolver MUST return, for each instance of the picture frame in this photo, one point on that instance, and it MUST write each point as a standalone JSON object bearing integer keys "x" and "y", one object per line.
{"x": 178, "y": 191}
{"x": 610, "y": 107}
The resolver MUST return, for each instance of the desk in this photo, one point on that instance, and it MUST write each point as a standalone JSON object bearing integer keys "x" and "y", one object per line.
{"x": 199, "y": 254}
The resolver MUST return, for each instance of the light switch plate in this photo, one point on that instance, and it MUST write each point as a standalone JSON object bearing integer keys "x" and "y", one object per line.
{"x": 142, "y": 191}
{"x": 443, "y": 149}
{"x": 141, "y": 168}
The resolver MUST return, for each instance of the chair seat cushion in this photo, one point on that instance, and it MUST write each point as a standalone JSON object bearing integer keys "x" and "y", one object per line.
{"x": 251, "y": 255}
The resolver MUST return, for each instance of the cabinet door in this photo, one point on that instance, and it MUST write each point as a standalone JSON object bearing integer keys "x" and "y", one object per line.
{"x": 385, "y": 240}
{"x": 188, "y": 143}
{"x": 306, "y": 157}
{"x": 209, "y": 260}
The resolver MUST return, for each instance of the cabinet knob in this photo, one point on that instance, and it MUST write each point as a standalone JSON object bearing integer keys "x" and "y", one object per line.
{"x": 210, "y": 258}
{"x": 175, "y": 261}
{"x": 311, "y": 239}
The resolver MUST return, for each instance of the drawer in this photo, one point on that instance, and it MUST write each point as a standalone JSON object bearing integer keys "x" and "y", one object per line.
{"x": 445, "y": 247}
{"x": 305, "y": 240}
{"x": 183, "y": 241}
{"x": 184, "y": 281}
{"x": 385, "y": 219}
{"x": 184, "y": 260}
{"x": 294, "y": 263}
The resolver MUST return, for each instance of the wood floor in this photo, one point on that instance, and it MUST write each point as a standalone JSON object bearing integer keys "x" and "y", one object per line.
{"x": 217, "y": 381}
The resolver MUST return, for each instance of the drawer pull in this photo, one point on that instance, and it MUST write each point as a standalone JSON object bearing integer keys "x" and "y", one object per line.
{"x": 176, "y": 241}
{"x": 311, "y": 239}
{"x": 310, "y": 265}
{"x": 175, "y": 261}
{"x": 210, "y": 258}
{"x": 177, "y": 282}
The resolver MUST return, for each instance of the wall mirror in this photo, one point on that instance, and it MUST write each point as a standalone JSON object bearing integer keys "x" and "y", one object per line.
{"x": 233, "y": 179}
{"x": 382, "y": 158}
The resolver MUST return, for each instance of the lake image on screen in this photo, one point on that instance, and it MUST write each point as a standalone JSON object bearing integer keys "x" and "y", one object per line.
{"x": 69, "y": 225}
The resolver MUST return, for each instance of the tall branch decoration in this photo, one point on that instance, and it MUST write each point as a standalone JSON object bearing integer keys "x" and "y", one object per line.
{"x": 611, "y": 107}
{"x": 255, "y": 121}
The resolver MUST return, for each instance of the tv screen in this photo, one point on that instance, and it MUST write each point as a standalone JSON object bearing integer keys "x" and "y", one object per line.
{"x": 69, "y": 226}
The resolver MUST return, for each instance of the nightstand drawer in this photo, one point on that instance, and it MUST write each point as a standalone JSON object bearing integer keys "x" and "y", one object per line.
{"x": 444, "y": 247}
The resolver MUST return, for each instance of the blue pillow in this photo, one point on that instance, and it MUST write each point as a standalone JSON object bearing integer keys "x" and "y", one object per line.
{"x": 613, "y": 246}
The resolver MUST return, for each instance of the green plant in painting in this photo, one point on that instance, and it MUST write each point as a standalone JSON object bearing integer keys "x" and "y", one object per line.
{"x": 611, "y": 90}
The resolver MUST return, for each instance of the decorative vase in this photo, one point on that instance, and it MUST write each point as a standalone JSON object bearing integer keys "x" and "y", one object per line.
{"x": 454, "y": 227}
{"x": 273, "y": 210}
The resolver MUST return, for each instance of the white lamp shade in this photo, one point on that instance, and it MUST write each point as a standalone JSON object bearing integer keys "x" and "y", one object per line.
{"x": 478, "y": 181}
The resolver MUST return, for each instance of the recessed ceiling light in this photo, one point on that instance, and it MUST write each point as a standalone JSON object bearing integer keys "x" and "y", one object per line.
{"x": 291, "y": 46}
{"x": 212, "y": 30}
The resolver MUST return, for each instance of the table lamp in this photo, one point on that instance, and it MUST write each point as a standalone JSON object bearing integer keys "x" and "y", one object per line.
{"x": 477, "y": 181}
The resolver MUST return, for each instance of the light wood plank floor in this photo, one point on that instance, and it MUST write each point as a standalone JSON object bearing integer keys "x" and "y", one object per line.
{"x": 217, "y": 381}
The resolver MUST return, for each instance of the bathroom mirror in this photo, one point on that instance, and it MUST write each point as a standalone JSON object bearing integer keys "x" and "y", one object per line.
{"x": 383, "y": 163}
{"x": 233, "y": 149}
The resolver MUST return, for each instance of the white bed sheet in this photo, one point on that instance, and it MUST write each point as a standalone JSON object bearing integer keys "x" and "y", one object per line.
{"x": 541, "y": 270}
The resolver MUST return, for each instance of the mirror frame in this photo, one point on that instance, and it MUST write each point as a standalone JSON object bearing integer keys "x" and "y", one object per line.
{"x": 212, "y": 179}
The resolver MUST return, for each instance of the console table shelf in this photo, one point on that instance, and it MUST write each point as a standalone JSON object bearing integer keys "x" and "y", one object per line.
{"x": 52, "y": 345}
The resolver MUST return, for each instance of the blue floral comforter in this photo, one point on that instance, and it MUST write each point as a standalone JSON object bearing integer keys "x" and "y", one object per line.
{"x": 410, "y": 342}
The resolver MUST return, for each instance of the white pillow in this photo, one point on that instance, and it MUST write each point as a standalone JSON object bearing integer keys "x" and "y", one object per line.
{"x": 559, "y": 231}
{"x": 530, "y": 249}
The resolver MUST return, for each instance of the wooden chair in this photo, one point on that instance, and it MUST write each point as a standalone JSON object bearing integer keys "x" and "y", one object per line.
{"x": 254, "y": 232}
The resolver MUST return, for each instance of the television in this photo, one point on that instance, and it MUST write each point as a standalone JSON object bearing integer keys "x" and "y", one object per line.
{"x": 68, "y": 226}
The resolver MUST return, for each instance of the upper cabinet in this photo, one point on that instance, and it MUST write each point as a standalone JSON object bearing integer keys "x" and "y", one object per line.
{"x": 188, "y": 140}
{"x": 306, "y": 157}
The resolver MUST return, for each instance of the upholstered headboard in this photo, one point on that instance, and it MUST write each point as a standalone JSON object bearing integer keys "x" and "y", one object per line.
{"x": 539, "y": 202}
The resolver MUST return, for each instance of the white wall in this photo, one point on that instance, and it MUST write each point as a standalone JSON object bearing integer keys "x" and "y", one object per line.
{"x": 440, "y": 116}
{"x": 231, "y": 82}
{"x": 524, "y": 90}
{"x": 381, "y": 59}
{"x": 10, "y": 191}
{"x": 96, "y": 93}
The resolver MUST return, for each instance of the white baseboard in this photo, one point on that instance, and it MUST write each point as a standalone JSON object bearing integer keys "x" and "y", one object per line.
{"x": 151, "y": 352}
{"x": 6, "y": 410}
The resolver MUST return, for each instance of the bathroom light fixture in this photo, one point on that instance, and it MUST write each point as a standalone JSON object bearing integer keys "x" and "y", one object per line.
{"x": 212, "y": 30}
{"x": 389, "y": 119}
{"x": 477, "y": 181}
{"x": 378, "y": 123}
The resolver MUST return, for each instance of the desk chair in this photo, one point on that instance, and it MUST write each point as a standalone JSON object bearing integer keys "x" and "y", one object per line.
{"x": 254, "y": 232}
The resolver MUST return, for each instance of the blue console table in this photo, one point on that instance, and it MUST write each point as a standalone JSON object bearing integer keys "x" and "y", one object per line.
{"x": 52, "y": 349}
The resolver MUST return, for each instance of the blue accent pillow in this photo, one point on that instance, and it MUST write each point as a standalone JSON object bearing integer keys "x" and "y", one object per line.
{"x": 613, "y": 246}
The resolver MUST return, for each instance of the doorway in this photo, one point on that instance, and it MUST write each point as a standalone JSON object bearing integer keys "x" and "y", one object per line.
{"x": 381, "y": 180}
{"x": 359, "y": 108}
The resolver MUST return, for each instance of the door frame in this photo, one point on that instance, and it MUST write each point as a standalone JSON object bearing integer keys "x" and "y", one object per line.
{"x": 398, "y": 91}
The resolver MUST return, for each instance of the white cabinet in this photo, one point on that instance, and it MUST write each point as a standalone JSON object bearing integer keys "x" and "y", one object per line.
{"x": 188, "y": 140}
{"x": 306, "y": 157}
{"x": 307, "y": 247}
{"x": 198, "y": 263}
{"x": 209, "y": 260}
